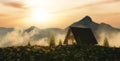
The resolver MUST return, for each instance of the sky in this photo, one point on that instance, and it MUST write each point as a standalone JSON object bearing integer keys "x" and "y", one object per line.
{"x": 57, "y": 13}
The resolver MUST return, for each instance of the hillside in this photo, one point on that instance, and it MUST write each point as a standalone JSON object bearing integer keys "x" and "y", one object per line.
{"x": 63, "y": 53}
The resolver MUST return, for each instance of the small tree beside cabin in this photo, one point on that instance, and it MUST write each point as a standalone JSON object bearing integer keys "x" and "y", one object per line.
{"x": 106, "y": 43}
{"x": 60, "y": 42}
{"x": 52, "y": 41}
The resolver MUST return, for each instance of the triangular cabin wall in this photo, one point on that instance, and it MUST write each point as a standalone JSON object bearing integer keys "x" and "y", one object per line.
{"x": 80, "y": 36}
{"x": 70, "y": 40}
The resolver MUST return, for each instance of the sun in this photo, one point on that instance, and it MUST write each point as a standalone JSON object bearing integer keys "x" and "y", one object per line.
{"x": 37, "y": 15}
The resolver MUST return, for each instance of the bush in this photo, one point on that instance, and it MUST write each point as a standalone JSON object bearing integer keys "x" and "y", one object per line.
{"x": 106, "y": 43}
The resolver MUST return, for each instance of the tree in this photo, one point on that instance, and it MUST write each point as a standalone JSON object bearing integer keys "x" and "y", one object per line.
{"x": 29, "y": 44}
{"x": 60, "y": 42}
{"x": 52, "y": 41}
{"x": 106, "y": 43}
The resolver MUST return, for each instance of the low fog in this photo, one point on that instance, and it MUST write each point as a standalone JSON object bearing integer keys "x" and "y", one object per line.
{"x": 113, "y": 39}
{"x": 36, "y": 36}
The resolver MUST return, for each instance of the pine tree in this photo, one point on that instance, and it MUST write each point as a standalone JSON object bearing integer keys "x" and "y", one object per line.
{"x": 52, "y": 41}
{"x": 29, "y": 44}
{"x": 106, "y": 43}
{"x": 60, "y": 42}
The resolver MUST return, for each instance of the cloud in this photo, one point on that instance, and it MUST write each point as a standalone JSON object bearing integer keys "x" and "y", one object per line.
{"x": 97, "y": 3}
{"x": 113, "y": 39}
{"x": 2, "y": 15}
{"x": 13, "y": 12}
{"x": 15, "y": 4}
{"x": 20, "y": 37}
{"x": 90, "y": 4}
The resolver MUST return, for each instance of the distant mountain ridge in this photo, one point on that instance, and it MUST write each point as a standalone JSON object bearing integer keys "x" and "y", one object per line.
{"x": 97, "y": 29}
{"x": 4, "y": 31}
{"x": 43, "y": 33}
{"x": 86, "y": 22}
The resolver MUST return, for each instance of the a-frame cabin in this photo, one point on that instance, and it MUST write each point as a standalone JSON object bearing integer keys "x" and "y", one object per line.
{"x": 80, "y": 36}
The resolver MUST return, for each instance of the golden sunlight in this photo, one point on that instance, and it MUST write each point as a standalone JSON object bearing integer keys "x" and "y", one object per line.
{"x": 38, "y": 15}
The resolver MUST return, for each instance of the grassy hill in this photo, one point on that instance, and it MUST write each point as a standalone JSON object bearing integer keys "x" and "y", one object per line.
{"x": 60, "y": 53}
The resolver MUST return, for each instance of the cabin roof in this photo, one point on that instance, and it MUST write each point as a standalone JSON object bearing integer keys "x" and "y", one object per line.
{"x": 82, "y": 35}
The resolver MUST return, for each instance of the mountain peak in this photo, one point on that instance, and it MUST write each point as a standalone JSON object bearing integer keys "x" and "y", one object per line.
{"x": 86, "y": 22}
{"x": 31, "y": 28}
{"x": 86, "y": 19}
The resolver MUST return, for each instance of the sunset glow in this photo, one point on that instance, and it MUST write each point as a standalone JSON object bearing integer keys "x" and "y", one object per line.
{"x": 52, "y": 30}
{"x": 39, "y": 16}
{"x": 57, "y": 12}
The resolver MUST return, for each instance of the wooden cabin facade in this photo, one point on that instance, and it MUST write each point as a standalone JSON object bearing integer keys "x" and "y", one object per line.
{"x": 80, "y": 36}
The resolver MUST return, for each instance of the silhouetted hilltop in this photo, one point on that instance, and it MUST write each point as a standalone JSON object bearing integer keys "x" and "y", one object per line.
{"x": 97, "y": 28}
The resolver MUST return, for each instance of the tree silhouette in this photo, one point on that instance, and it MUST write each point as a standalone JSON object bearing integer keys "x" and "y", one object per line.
{"x": 60, "y": 42}
{"x": 29, "y": 44}
{"x": 52, "y": 41}
{"x": 106, "y": 43}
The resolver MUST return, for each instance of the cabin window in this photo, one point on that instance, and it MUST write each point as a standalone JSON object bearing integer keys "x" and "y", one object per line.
{"x": 71, "y": 39}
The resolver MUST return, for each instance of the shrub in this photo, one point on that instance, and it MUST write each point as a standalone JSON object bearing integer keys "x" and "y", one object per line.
{"x": 52, "y": 41}
{"x": 106, "y": 43}
{"x": 60, "y": 42}
{"x": 29, "y": 44}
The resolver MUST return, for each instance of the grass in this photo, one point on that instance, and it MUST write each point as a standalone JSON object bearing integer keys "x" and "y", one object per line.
{"x": 60, "y": 53}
